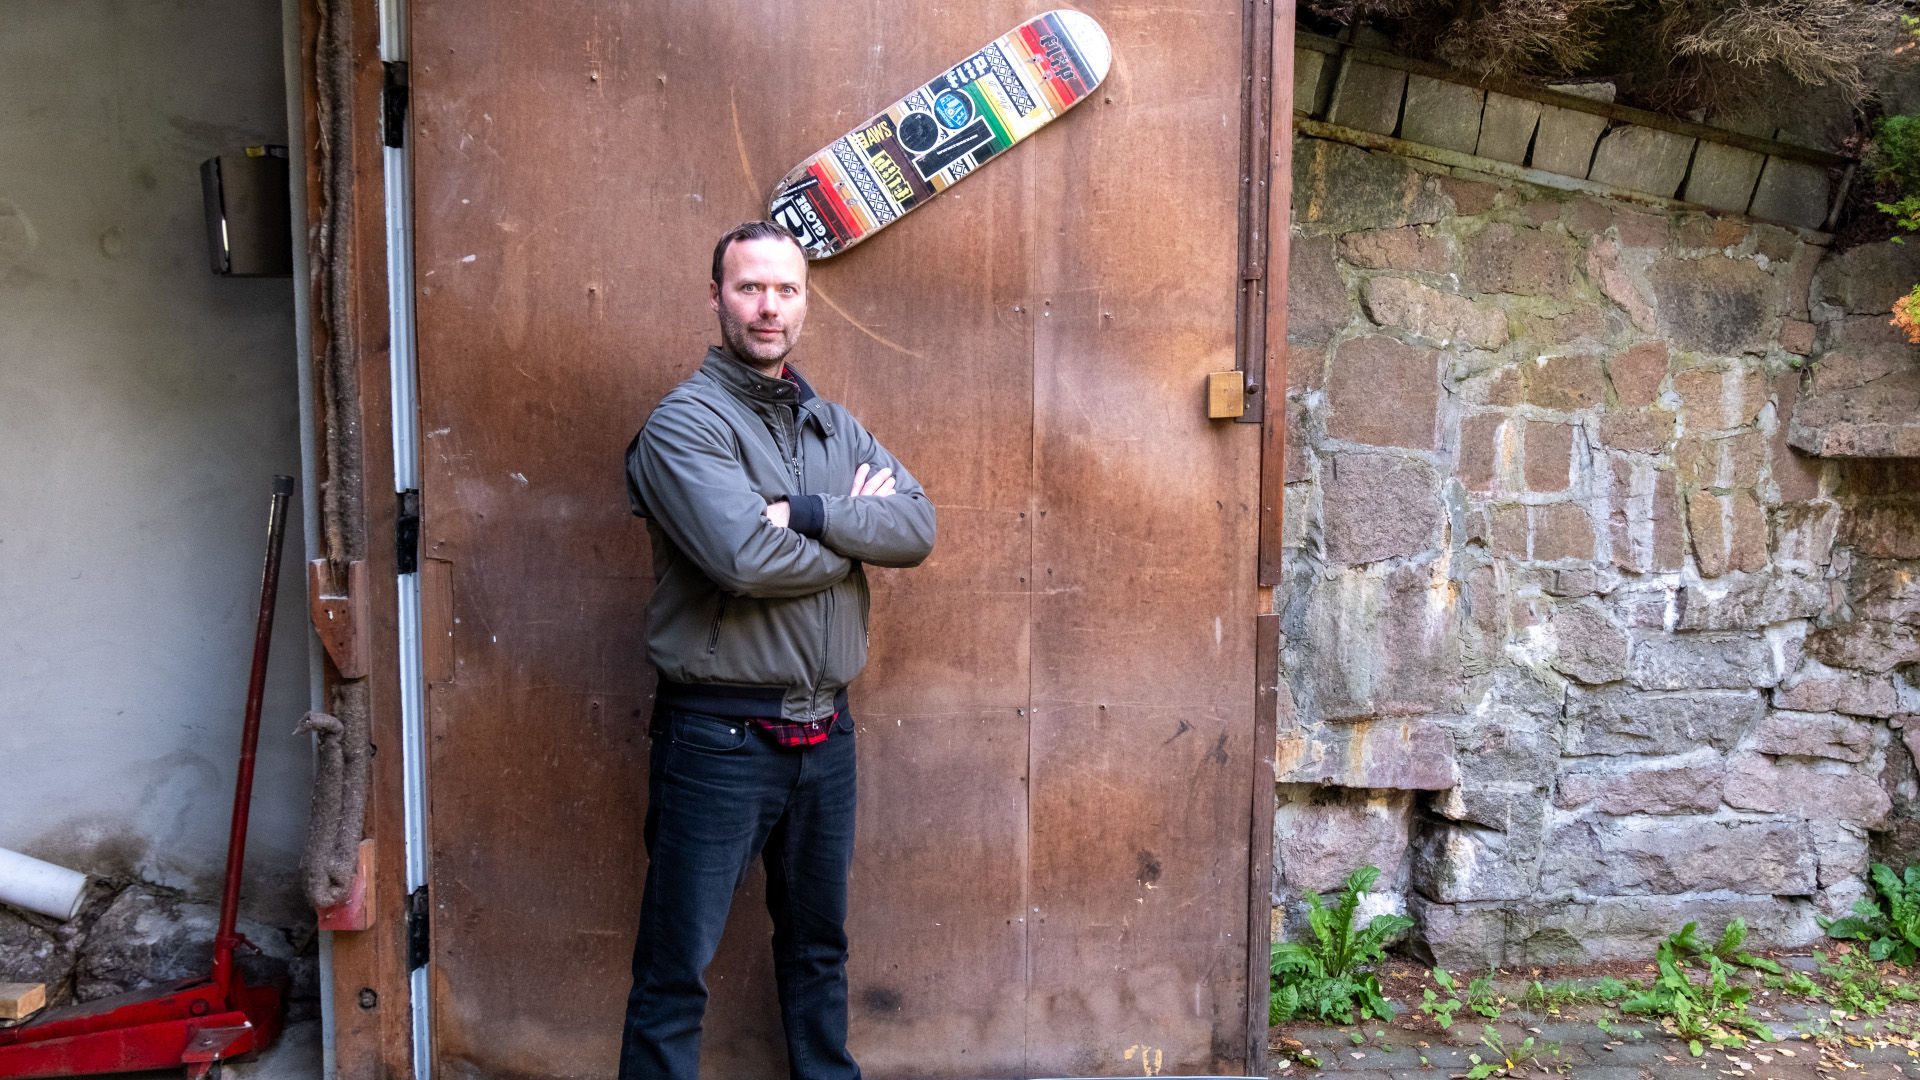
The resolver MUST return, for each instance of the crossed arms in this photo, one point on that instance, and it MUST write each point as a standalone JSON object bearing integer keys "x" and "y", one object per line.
{"x": 683, "y": 473}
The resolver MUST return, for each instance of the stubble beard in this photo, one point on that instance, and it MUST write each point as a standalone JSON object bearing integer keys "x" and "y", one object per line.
{"x": 766, "y": 355}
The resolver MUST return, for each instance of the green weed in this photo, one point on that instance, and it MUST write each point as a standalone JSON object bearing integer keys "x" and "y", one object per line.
{"x": 1507, "y": 1060}
{"x": 1890, "y": 925}
{"x": 1325, "y": 977}
{"x": 1710, "y": 1010}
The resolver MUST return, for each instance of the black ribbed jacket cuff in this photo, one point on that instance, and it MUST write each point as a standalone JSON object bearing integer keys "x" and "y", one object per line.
{"x": 807, "y": 516}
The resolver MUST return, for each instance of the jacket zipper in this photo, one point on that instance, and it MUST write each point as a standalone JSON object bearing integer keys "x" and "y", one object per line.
{"x": 713, "y": 635}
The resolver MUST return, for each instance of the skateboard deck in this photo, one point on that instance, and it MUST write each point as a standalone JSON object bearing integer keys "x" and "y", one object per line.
{"x": 929, "y": 140}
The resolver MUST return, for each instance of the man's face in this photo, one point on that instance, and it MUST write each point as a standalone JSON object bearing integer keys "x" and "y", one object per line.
{"x": 761, "y": 299}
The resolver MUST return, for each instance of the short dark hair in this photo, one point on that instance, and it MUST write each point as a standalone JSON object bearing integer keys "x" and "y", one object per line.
{"x": 750, "y": 230}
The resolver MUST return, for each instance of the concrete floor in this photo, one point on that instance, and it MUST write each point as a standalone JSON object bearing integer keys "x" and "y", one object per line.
{"x": 296, "y": 1056}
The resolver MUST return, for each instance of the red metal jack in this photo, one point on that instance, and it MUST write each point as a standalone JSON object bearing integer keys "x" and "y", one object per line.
{"x": 198, "y": 1023}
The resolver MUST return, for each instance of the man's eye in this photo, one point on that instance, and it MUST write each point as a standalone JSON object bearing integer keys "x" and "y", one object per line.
{"x": 749, "y": 288}
{"x": 790, "y": 291}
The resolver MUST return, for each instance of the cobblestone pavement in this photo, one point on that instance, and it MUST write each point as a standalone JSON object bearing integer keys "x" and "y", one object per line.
{"x": 1812, "y": 1042}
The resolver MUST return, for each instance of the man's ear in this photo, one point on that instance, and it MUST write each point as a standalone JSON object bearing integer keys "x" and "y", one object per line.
{"x": 713, "y": 295}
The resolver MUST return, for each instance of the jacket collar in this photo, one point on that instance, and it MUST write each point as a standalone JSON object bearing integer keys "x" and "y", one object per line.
{"x": 759, "y": 392}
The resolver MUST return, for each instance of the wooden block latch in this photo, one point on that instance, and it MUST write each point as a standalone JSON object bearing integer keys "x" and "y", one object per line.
{"x": 340, "y": 615}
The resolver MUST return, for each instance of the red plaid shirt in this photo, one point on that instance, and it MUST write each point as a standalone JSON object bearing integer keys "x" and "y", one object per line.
{"x": 792, "y": 733}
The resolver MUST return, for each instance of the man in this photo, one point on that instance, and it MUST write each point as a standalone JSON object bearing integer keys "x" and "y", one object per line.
{"x": 763, "y": 500}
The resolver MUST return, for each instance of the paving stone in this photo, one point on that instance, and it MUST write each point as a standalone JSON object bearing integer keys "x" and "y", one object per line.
{"x": 1470, "y": 197}
{"x": 1549, "y": 455}
{"x": 1317, "y": 299}
{"x": 1865, "y": 645}
{"x": 1379, "y": 506}
{"x": 1587, "y": 645}
{"x": 1716, "y": 400}
{"x": 1701, "y": 662}
{"x": 1795, "y": 475}
{"x": 1747, "y": 601}
{"x": 1567, "y": 383}
{"x": 1792, "y": 191}
{"x": 1607, "y": 271}
{"x": 1368, "y": 98}
{"x": 1383, "y": 393}
{"x": 1443, "y": 114}
{"x": 1867, "y": 279}
{"x": 1565, "y": 141}
{"x": 1437, "y": 316}
{"x": 1642, "y": 431}
{"x": 1410, "y": 755}
{"x": 1817, "y": 735}
{"x": 1645, "y": 519}
{"x": 1486, "y": 451}
{"x": 1814, "y": 792}
{"x": 1638, "y": 371}
{"x": 1642, "y": 159}
{"x": 1668, "y": 855}
{"x": 1796, "y": 337}
{"x": 1407, "y": 248}
{"x": 1664, "y": 786}
{"x": 1322, "y": 834}
{"x": 1729, "y": 532}
{"x": 1342, "y": 187}
{"x": 1458, "y": 863}
{"x": 1723, "y": 177}
{"x": 1817, "y": 688}
{"x": 1506, "y": 127}
{"x": 1503, "y": 258}
{"x": 1617, "y": 720}
{"x": 1715, "y": 305}
{"x": 1562, "y": 531}
{"x": 1312, "y": 78}
{"x": 1886, "y": 592}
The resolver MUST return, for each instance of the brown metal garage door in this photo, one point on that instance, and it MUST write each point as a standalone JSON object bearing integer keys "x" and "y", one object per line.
{"x": 1057, "y": 727}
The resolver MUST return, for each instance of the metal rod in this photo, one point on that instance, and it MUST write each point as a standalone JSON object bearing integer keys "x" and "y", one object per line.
{"x": 1368, "y": 140}
{"x": 226, "y": 938}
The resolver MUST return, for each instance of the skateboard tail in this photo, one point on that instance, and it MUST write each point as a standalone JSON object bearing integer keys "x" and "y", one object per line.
{"x": 1090, "y": 39}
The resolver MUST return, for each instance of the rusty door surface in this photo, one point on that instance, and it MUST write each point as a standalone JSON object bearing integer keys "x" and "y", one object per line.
{"x": 1057, "y": 725}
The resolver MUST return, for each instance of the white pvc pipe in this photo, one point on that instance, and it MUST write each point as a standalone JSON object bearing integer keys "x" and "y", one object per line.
{"x": 42, "y": 887}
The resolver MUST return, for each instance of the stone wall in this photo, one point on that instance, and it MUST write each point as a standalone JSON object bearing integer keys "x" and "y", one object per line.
{"x": 1577, "y": 647}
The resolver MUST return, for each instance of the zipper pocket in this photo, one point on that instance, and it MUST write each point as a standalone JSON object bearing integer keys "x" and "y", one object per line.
{"x": 713, "y": 634}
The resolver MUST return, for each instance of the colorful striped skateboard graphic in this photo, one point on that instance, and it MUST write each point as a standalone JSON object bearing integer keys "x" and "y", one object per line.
{"x": 927, "y": 141}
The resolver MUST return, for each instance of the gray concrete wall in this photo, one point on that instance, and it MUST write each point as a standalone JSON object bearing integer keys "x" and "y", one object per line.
{"x": 144, "y": 405}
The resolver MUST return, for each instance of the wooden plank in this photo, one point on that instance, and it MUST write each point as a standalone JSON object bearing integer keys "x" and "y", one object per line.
{"x": 1273, "y": 365}
{"x": 371, "y": 1013}
{"x": 591, "y": 284}
{"x": 1273, "y": 458}
{"x": 21, "y": 1000}
{"x": 1144, "y": 561}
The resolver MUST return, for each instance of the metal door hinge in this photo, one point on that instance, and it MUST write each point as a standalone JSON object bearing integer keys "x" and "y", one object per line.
{"x": 393, "y": 104}
{"x": 419, "y": 930}
{"x": 406, "y": 533}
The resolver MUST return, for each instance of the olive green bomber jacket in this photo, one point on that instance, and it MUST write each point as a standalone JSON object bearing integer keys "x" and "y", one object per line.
{"x": 738, "y": 601}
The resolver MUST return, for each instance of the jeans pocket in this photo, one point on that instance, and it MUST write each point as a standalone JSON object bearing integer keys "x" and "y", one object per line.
{"x": 708, "y": 734}
{"x": 843, "y": 724}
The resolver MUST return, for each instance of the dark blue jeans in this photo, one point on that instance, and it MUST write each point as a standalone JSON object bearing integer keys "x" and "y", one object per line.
{"x": 720, "y": 793}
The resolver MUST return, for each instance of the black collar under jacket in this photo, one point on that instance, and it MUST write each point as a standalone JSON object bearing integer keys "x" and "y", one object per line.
{"x": 762, "y": 393}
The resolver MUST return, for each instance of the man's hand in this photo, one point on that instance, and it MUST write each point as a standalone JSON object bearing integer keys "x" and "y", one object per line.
{"x": 779, "y": 512}
{"x": 879, "y": 484}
